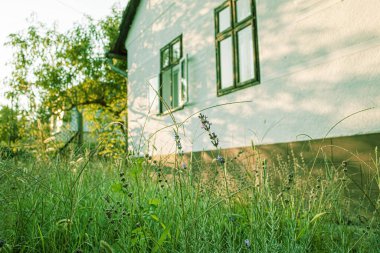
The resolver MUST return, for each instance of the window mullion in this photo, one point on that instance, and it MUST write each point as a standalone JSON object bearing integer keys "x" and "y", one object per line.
{"x": 170, "y": 55}
{"x": 225, "y": 34}
{"x": 233, "y": 13}
{"x": 234, "y": 44}
{"x": 243, "y": 25}
{"x": 235, "y": 50}
{"x": 171, "y": 88}
{"x": 161, "y": 109}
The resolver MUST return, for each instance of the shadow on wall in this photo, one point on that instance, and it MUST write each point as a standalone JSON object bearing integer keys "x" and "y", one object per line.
{"x": 318, "y": 59}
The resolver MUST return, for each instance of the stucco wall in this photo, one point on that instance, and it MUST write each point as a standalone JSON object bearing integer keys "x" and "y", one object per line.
{"x": 319, "y": 61}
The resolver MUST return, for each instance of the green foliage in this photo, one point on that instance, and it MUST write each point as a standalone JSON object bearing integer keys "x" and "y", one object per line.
{"x": 15, "y": 132}
{"x": 82, "y": 204}
{"x": 112, "y": 139}
{"x": 9, "y": 125}
{"x": 68, "y": 70}
{"x": 60, "y": 71}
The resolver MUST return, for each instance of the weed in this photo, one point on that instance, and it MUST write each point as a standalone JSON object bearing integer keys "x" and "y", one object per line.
{"x": 83, "y": 203}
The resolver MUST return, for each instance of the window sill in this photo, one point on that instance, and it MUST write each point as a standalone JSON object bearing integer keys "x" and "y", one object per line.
{"x": 222, "y": 92}
{"x": 171, "y": 111}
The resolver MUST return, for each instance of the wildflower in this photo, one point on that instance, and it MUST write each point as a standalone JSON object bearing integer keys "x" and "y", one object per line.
{"x": 344, "y": 164}
{"x": 206, "y": 125}
{"x": 178, "y": 143}
{"x": 247, "y": 243}
{"x": 214, "y": 139}
{"x": 220, "y": 159}
{"x": 184, "y": 166}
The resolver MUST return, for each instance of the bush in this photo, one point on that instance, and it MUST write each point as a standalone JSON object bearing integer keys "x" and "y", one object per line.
{"x": 8, "y": 152}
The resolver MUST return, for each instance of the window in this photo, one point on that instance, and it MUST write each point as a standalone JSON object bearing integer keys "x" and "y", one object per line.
{"x": 173, "y": 77}
{"x": 236, "y": 46}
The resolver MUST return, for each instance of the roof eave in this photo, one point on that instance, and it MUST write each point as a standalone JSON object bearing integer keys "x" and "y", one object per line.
{"x": 129, "y": 13}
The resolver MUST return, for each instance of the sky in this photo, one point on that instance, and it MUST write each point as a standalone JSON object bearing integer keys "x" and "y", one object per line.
{"x": 14, "y": 15}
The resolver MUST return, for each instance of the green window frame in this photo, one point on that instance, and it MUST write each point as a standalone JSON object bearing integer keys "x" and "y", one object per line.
{"x": 173, "y": 77}
{"x": 236, "y": 44}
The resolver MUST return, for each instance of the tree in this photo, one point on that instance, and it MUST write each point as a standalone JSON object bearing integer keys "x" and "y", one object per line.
{"x": 62, "y": 71}
{"x": 9, "y": 125}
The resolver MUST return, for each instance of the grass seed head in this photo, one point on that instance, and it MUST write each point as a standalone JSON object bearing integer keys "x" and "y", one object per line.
{"x": 106, "y": 247}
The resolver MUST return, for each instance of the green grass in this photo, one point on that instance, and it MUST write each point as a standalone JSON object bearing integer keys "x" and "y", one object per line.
{"x": 85, "y": 204}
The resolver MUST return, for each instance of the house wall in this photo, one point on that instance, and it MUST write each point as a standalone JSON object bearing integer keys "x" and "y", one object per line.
{"x": 319, "y": 63}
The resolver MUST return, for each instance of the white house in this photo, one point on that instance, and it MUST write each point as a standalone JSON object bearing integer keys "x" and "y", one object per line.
{"x": 267, "y": 71}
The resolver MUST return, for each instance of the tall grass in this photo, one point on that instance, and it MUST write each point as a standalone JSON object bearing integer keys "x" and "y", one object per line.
{"x": 83, "y": 203}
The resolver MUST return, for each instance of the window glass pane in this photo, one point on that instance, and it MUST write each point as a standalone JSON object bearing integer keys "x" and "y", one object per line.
{"x": 175, "y": 86}
{"x": 176, "y": 51}
{"x": 165, "y": 58}
{"x": 224, "y": 19}
{"x": 246, "y": 56}
{"x": 243, "y": 9}
{"x": 226, "y": 63}
{"x": 166, "y": 90}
